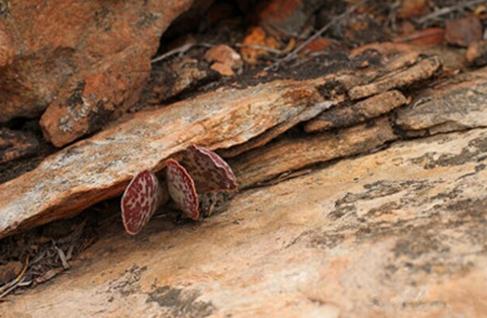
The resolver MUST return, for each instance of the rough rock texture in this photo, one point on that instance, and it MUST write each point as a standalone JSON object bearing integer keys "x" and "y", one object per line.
{"x": 99, "y": 167}
{"x": 398, "y": 233}
{"x": 291, "y": 154}
{"x": 452, "y": 106}
{"x": 349, "y": 115}
{"x": 82, "y": 59}
{"x": 422, "y": 70}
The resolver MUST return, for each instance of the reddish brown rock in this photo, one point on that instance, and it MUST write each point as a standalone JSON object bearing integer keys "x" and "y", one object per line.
{"x": 9, "y": 271}
{"x": 7, "y": 51}
{"x": 61, "y": 45}
{"x": 16, "y": 145}
{"x": 287, "y": 17}
{"x": 477, "y": 53}
{"x": 426, "y": 37}
{"x": 463, "y": 31}
{"x": 224, "y": 60}
{"x": 317, "y": 45}
{"x": 100, "y": 167}
{"x": 412, "y": 8}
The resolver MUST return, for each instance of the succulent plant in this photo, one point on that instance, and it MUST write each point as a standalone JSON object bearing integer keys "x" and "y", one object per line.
{"x": 198, "y": 185}
{"x": 182, "y": 189}
{"x": 141, "y": 198}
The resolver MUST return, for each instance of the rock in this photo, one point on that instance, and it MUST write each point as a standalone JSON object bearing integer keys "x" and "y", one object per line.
{"x": 224, "y": 60}
{"x": 16, "y": 144}
{"x": 406, "y": 222}
{"x": 87, "y": 105}
{"x": 349, "y": 115}
{"x": 100, "y": 167}
{"x": 62, "y": 45}
{"x": 291, "y": 154}
{"x": 412, "y": 8}
{"x": 264, "y": 138}
{"x": 456, "y": 106}
{"x": 424, "y": 69}
{"x": 427, "y": 37}
{"x": 463, "y": 31}
{"x": 477, "y": 53}
{"x": 256, "y": 44}
{"x": 7, "y": 51}
{"x": 9, "y": 272}
{"x": 287, "y": 17}
{"x": 319, "y": 44}
{"x": 169, "y": 79}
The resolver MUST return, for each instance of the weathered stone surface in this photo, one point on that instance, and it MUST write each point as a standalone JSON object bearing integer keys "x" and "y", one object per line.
{"x": 424, "y": 69}
{"x": 16, "y": 144}
{"x": 99, "y": 167}
{"x": 455, "y": 106}
{"x": 349, "y": 115}
{"x": 292, "y": 154}
{"x": 399, "y": 233}
{"x": 60, "y": 46}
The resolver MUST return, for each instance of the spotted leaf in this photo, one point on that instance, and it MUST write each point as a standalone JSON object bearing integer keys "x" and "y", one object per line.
{"x": 182, "y": 189}
{"x": 140, "y": 200}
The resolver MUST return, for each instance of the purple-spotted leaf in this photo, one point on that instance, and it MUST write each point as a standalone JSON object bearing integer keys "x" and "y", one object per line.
{"x": 209, "y": 171}
{"x": 182, "y": 189}
{"x": 140, "y": 200}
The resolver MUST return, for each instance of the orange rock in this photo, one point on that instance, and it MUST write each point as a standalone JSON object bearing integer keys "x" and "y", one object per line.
{"x": 85, "y": 104}
{"x": 463, "y": 31}
{"x": 426, "y": 37}
{"x": 477, "y": 53}
{"x": 412, "y": 8}
{"x": 256, "y": 45}
{"x": 64, "y": 41}
{"x": 317, "y": 45}
{"x": 7, "y": 51}
{"x": 225, "y": 59}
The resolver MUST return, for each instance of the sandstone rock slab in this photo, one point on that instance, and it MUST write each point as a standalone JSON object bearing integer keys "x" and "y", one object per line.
{"x": 290, "y": 154}
{"x": 398, "y": 233}
{"x": 99, "y": 167}
{"x": 456, "y": 105}
{"x": 349, "y": 115}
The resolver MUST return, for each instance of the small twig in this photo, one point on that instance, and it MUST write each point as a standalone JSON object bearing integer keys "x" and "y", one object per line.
{"x": 438, "y": 13}
{"x": 317, "y": 34}
{"x": 62, "y": 257}
{"x": 179, "y": 50}
{"x": 260, "y": 47}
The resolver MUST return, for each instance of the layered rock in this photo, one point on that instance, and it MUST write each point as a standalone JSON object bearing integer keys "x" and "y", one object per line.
{"x": 397, "y": 233}
{"x": 99, "y": 167}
